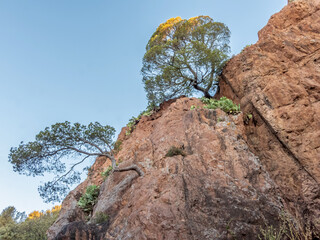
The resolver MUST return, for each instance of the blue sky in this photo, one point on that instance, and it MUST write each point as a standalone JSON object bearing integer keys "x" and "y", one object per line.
{"x": 80, "y": 61}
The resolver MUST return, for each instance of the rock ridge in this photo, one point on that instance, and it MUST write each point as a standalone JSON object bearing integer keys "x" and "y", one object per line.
{"x": 236, "y": 173}
{"x": 277, "y": 80}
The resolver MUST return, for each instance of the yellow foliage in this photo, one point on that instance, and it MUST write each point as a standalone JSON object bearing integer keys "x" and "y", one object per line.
{"x": 35, "y": 214}
{"x": 169, "y": 23}
{"x": 164, "y": 28}
{"x": 38, "y": 214}
{"x": 193, "y": 20}
{"x": 56, "y": 208}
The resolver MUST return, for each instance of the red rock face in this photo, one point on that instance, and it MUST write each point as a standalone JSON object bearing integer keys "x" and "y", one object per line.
{"x": 277, "y": 80}
{"x": 234, "y": 174}
{"x": 218, "y": 188}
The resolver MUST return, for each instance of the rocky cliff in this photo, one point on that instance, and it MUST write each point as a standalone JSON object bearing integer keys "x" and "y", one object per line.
{"x": 277, "y": 80}
{"x": 233, "y": 174}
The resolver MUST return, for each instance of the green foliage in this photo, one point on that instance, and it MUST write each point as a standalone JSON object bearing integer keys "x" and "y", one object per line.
{"x": 224, "y": 104}
{"x": 288, "y": 229}
{"x": 101, "y": 217}
{"x": 89, "y": 198}
{"x": 135, "y": 120}
{"x": 17, "y": 226}
{"x": 271, "y": 233}
{"x": 107, "y": 172}
{"x": 9, "y": 219}
{"x": 59, "y": 141}
{"x": 249, "y": 45}
{"x": 194, "y": 107}
{"x": 184, "y": 56}
{"x": 174, "y": 151}
{"x": 220, "y": 119}
{"x": 117, "y": 147}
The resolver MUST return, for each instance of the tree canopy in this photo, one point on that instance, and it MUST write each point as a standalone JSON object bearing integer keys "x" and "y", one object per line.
{"x": 57, "y": 142}
{"x": 184, "y": 56}
{"x": 15, "y": 225}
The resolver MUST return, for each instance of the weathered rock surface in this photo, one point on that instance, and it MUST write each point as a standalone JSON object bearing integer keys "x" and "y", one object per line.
{"x": 70, "y": 212}
{"x": 238, "y": 172}
{"x": 218, "y": 190}
{"x": 277, "y": 80}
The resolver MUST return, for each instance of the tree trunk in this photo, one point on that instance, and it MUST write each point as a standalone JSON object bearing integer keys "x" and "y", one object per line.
{"x": 131, "y": 167}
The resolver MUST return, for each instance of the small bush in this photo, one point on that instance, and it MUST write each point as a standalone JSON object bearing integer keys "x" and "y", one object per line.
{"x": 134, "y": 120}
{"x": 246, "y": 47}
{"x": 271, "y": 233}
{"x": 220, "y": 119}
{"x": 101, "y": 218}
{"x": 132, "y": 125}
{"x": 174, "y": 151}
{"x": 107, "y": 172}
{"x": 117, "y": 147}
{"x": 289, "y": 229}
{"x": 89, "y": 198}
{"x": 194, "y": 107}
{"x": 224, "y": 104}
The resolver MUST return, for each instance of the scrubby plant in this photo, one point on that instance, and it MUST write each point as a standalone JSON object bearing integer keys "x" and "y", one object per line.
{"x": 245, "y": 47}
{"x": 133, "y": 121}
{"x": 247, "y": 118}
{"x": 270, "y": 233}
{"x": 194, "y": 107}
{"x": 289, "y": 229}
{"x": 220, "y": 119}
{"x": 174, "y": 151}
{"x": 117, "y": 147}
{"x": 100, "y": 217}
{"x": 223, "y": 103}
{"x": 89, "y": 198}
{"x": 107, "y": 172}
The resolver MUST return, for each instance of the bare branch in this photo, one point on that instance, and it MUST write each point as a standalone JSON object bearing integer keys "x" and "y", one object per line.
{"x": 69, "y": 170}
{"x": 87, "y": 153}
{"x": 91, "y": 143}
{"x": 133, "y": 167}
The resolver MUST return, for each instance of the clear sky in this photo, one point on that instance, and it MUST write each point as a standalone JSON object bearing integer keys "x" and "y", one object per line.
{"x": 80, "y": 61}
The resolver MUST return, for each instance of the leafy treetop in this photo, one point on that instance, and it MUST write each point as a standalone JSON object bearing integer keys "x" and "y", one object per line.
{"x": 184, "y": 56}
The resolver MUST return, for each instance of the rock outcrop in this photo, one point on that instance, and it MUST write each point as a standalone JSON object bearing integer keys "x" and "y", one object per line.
{"x": 216, "y": 189}
{"x": 232, "y": 174}
{"x": 277, "y": 80}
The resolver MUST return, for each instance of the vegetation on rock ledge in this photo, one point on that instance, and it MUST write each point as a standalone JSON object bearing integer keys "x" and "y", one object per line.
{"x": 223, "y": 103}
{"x": 89, "y": 198}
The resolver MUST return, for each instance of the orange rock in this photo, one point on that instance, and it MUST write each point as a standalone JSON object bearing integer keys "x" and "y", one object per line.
{"x": 219, "y": 184}
{"x": 234, "y": 178}
{"x": 277, "y": 80}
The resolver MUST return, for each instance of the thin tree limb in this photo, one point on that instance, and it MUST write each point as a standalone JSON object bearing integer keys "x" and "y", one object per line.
{"x": 133, "y": 167}
{"x": 69, "y": 170}
{"x": 91, "y": 143}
